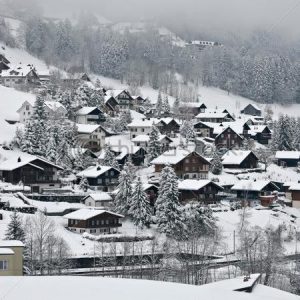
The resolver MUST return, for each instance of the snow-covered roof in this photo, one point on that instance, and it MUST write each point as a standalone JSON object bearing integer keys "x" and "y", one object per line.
{"x": 287, "y": 155}
{"x": 235, "y": 157}
{"x": 172, "y": 157}
{"x": 295, "y": 187}
{"x": 88, "y": 213}
{"x": 13, "y": 159}
{"x": 194, "y": 185}
{"x": 253, "y": 105}
{"x": 115, "y": 93}
{"x": 191, "y": 104}
{"x": 250, "y": 185}
{"x": 17, "y": 71}
{"x": 255, "y": 129}
{"x": 11, "y": 243}
{"x": 54, "y": 105}
{"x": 85, "y": 110}
{"x": 99, "y": 196}
{"x": 212, "y": 113}
{"x": 94, "y": 171}
{"x": 86, "y": 128}
{"x": 77, "y": 288}
{"x": 141, "y": 123}
{"x": 145, "y": 138}
{"x": 6, "y": 251}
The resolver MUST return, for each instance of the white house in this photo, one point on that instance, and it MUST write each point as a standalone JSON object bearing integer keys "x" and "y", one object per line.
{"x": 99, "y": 199}
{"x": 54, "y": 109}
{"x": 140, "y": 126}
{"x": 91, "y": 136}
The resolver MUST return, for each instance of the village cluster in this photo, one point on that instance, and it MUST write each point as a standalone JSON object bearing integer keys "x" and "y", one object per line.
{"x": 184, "y": 152}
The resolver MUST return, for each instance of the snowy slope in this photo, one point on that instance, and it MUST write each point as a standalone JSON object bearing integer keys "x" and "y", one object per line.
{"x": 68, "y": 287}
{"x": 10, "y": 101}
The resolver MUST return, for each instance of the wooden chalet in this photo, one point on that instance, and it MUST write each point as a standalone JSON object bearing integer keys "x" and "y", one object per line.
{"x": 111, "y": 106}
{"x": 257, "y": 191}
{"x": 204, "y": 191}
{"x": 31, "y": 170}
{"x": 228, "y": 139}
{"x": 187, "y": 165}
{"x": 103, "y": 178}
{"x": 4, "y": 63}
{"x": 203, "y": 129}
{"x": 260, "y": 133}
{"x": 287, "y": 158}
{"x": 252, "y": 109}
{"x": 99, "y": 199}
{"x": 94, "y": 221}
{"x": 90, "y": 115}
{"x": 294, "y": 190}
{"x": 168, "y": 126}
{"x": 125, "y": 100}
{"x": 240, "y": 159}
{"x": 215, "y": 116}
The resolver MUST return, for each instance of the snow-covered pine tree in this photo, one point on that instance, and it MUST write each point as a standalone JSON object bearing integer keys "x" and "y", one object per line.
{"x": 15, "y": 230}
{"x": 84, "y": 184}
{"x": 176, "y": 106}
{"x": 139, "y": 210}
{"x": 166, "y": 106}
{"x": 51, "y": 151}
{"x": 36, "y": 129}
{"x": 98, "y": 84}
{"x": 187, "y": 130}
{"x": 169, "y": 216}
{"x": 216, "y": 164}
{"x": 122, "y": 201}
{"x": 18, "y": 139}
{"x": 154, "y": 148}
{"x": 159, "y": 106}
{"x": 109, "y": 158}
{"x": 96, "y": 98}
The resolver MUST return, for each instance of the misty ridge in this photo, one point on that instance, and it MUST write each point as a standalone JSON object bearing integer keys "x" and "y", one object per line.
{"x": 256, "y": 52}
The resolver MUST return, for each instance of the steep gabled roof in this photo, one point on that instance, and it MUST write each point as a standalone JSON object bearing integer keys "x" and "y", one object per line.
{"x": 255, "y": 186}
{"x": 195, "y": 185}
{"x": 95, "y": 171}
{"x": 236, "y": 157}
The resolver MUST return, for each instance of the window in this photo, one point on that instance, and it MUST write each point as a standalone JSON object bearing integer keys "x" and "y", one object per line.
{"x": 93, "y": 231}
{"x": 99, "y": 180}
{"x": 3, "y": 265}
{"x": 112, "y": 173}
{"x": 187, "y": 160}
{"x": 93, "y": 223}
{"x": 107, "y": 222}
{"x": 186, "y": 169}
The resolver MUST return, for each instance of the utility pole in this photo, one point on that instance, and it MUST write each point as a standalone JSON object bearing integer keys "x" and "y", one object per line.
{"x": 234, "y": 241}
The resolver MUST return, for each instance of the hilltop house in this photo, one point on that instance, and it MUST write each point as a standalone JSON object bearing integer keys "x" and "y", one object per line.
{"x": 89, "y": 115}
{"x": 187, "y": 165}
{"x": 251, "y": 109}
{"x": 100, "y": 177}
{"x": 19, "y": 75}
{"x": 11, "y": 258}
{"x": 33, "y": 171}
{"x": 240, "y": 159}
{"x": 204, "y": 191}
{"x": 94, "y": 221}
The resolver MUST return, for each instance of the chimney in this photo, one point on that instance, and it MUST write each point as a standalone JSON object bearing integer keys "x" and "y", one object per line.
{"x": 98, "y": 168}
{"x": 19, "y": 159}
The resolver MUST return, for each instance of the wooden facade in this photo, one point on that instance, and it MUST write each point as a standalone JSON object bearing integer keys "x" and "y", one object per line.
{"x": 103, "y": 223}
{"x": 203, "y": 130}
{"x": 251, "y": 110}
{"x": 250, "y": 162}
{"x": 168, "y": 128}
{"x": 193, "y": 166}
{"x": 228, "y": 139}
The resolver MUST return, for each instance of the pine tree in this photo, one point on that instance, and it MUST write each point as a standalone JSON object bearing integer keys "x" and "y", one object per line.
{"x": 98, "y": 84}
{"x": 154, "y": 149}
{"x": 176, "y": 106}
{"x": 18, "y": 140}
{"x": 169, "y": 217}
{"x": 166, "y": 106}
{"x": 109, "y": 158}
{"x": 139, "y": 210}
{"x": 15, "y": 229}
{"x": 36, "y": 129}
{"x": 187, "y": 130}
{"x": 216, "y": 165}
{"x": 159, "y": 106}
{"x": 51, "y": 153}
{"x": 122, "y": 201}
{"x": 84, "y": 184}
